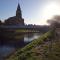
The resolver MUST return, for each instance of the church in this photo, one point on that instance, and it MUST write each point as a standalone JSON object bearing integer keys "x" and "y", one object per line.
{"x": 15, "y": 20}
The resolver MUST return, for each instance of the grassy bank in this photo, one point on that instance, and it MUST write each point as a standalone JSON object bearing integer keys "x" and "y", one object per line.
{"x": 26, "y": 53}
{"x": 24, "y": 31}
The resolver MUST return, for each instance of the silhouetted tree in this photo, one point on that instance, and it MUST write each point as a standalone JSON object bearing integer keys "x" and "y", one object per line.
{"x": 54, "y": 22}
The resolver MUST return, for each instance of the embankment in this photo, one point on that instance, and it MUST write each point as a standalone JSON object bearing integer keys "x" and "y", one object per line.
{"x": 36, "y": 50}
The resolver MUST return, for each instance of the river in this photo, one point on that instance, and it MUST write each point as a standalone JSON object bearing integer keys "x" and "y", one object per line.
{"x": 8, "y": 46}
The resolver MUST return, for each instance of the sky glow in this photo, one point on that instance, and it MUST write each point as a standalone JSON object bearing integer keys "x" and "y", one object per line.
{"x": 33, "y": 11}
{"x": 50, "y": 10}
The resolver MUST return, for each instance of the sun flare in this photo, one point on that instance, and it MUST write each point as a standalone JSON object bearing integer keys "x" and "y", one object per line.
{"x": 50, "y": 10}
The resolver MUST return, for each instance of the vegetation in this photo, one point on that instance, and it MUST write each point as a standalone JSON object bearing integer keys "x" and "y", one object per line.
{"x": 39, "y": 49}
{"x": 24, "y": 30}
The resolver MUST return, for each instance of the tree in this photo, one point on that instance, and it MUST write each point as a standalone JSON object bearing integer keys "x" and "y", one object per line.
{"x": 54, "y": 22}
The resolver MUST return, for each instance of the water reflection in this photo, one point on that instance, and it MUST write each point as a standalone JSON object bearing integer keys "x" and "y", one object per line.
{"x": 8, "y": 44}
{"x": 30, "y": 37}
{"x": 6, "y": 50}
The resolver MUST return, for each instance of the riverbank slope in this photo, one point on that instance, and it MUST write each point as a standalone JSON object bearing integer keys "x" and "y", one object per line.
{"x": 45, "y": 47}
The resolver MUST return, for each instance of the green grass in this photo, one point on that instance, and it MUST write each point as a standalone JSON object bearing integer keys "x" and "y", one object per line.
{"x": 26, "y": 52}
{"x": 24, "y": 31}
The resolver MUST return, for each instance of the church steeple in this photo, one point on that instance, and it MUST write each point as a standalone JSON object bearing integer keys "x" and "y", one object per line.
{"x": 18, "y": 11}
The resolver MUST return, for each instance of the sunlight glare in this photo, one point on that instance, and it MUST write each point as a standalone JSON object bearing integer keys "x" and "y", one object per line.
{"x": 50, "y": 10}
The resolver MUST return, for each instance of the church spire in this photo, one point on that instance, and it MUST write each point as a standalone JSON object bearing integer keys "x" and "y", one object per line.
{"x": 18, "y": 11}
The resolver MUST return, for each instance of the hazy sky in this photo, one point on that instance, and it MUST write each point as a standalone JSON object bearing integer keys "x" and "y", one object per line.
{"x": 33, "y": 11}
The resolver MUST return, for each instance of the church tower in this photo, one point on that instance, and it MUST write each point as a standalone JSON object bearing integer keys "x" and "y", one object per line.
{"x": 16, "y": 20}
{"x": 18, "y": 12}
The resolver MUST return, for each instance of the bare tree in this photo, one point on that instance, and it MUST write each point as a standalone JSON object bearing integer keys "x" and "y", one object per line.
{"x": 54, "y": 22}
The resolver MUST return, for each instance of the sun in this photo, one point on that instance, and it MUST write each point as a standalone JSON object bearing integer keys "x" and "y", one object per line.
{"x": 50, "y": 10}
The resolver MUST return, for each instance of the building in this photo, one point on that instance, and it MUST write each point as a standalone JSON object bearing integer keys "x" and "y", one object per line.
{"x": 15, "y": 20}
{"x": 0, "y": 22}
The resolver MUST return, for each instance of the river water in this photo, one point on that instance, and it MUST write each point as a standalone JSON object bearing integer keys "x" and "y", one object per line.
{"x": 8, "y": 46}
